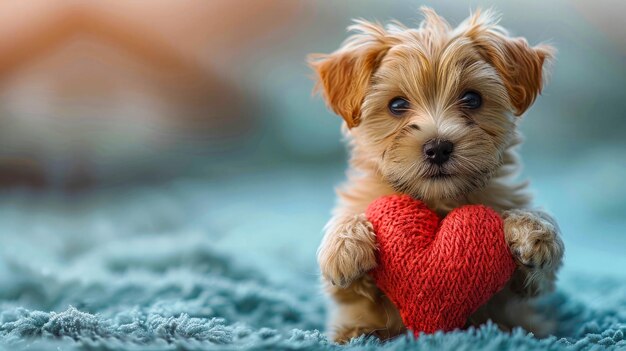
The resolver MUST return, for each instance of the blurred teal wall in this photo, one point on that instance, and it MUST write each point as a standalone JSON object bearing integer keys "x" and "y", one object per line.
{"x": 288, "y": 140}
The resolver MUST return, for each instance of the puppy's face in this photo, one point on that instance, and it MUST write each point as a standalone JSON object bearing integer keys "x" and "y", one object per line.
{"x": 432, "y": 109}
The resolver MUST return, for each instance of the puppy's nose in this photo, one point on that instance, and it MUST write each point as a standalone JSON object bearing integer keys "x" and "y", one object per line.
{"x": 438, "y": 151}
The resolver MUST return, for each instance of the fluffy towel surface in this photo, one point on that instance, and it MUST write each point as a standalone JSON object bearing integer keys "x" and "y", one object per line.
{"x": 171, "y": 267}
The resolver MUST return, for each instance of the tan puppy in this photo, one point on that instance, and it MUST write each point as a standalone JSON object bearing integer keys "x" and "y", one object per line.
{"x": 431, "y": 112}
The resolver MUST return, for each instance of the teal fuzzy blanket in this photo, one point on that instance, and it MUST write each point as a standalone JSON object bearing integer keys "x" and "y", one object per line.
{"x": 229, "y": 266}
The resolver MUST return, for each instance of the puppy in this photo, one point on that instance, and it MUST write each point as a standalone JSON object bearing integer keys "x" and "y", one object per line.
{"x": 432, "y": 112}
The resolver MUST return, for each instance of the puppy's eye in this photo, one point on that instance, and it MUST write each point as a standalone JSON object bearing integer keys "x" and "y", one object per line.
{"x": 471, "y": 100}
{"x": 399, "y": 105}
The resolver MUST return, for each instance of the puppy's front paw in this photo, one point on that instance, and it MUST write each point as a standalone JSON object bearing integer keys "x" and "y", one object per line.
{"x": 348, "y": 250}
{"x": 534, "y": 240}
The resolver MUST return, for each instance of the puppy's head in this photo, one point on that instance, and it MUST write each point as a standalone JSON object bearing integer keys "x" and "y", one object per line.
{"x": 432, "y": 109}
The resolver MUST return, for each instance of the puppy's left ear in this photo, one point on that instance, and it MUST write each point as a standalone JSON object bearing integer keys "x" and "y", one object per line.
{"x": 344, "y": 76}
{"x": 520, "y": 65}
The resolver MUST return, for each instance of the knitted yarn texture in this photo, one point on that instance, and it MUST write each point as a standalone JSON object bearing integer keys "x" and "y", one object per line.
{"x": 438, "y": 272}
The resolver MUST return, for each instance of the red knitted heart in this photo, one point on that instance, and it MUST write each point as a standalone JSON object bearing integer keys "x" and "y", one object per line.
{"x": 438, "y": 273}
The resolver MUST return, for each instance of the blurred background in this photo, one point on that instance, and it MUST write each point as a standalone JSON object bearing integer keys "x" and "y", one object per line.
{"x": 138, "y": 118}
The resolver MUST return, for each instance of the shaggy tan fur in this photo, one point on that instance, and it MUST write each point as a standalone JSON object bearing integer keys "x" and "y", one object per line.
{"x": 432, "y": 66}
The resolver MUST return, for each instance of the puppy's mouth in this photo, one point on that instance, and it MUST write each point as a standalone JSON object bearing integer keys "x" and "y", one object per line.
{"x": 438, "y": 173}
{"x": 441, "y": 176}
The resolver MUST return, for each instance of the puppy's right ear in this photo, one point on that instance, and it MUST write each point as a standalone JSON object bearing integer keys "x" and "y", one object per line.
{"x": 520, "y": 65}
{"x": 343, "y": 77}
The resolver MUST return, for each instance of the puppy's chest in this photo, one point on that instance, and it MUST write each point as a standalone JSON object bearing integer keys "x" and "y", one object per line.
{"x": 443, "y": 207}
